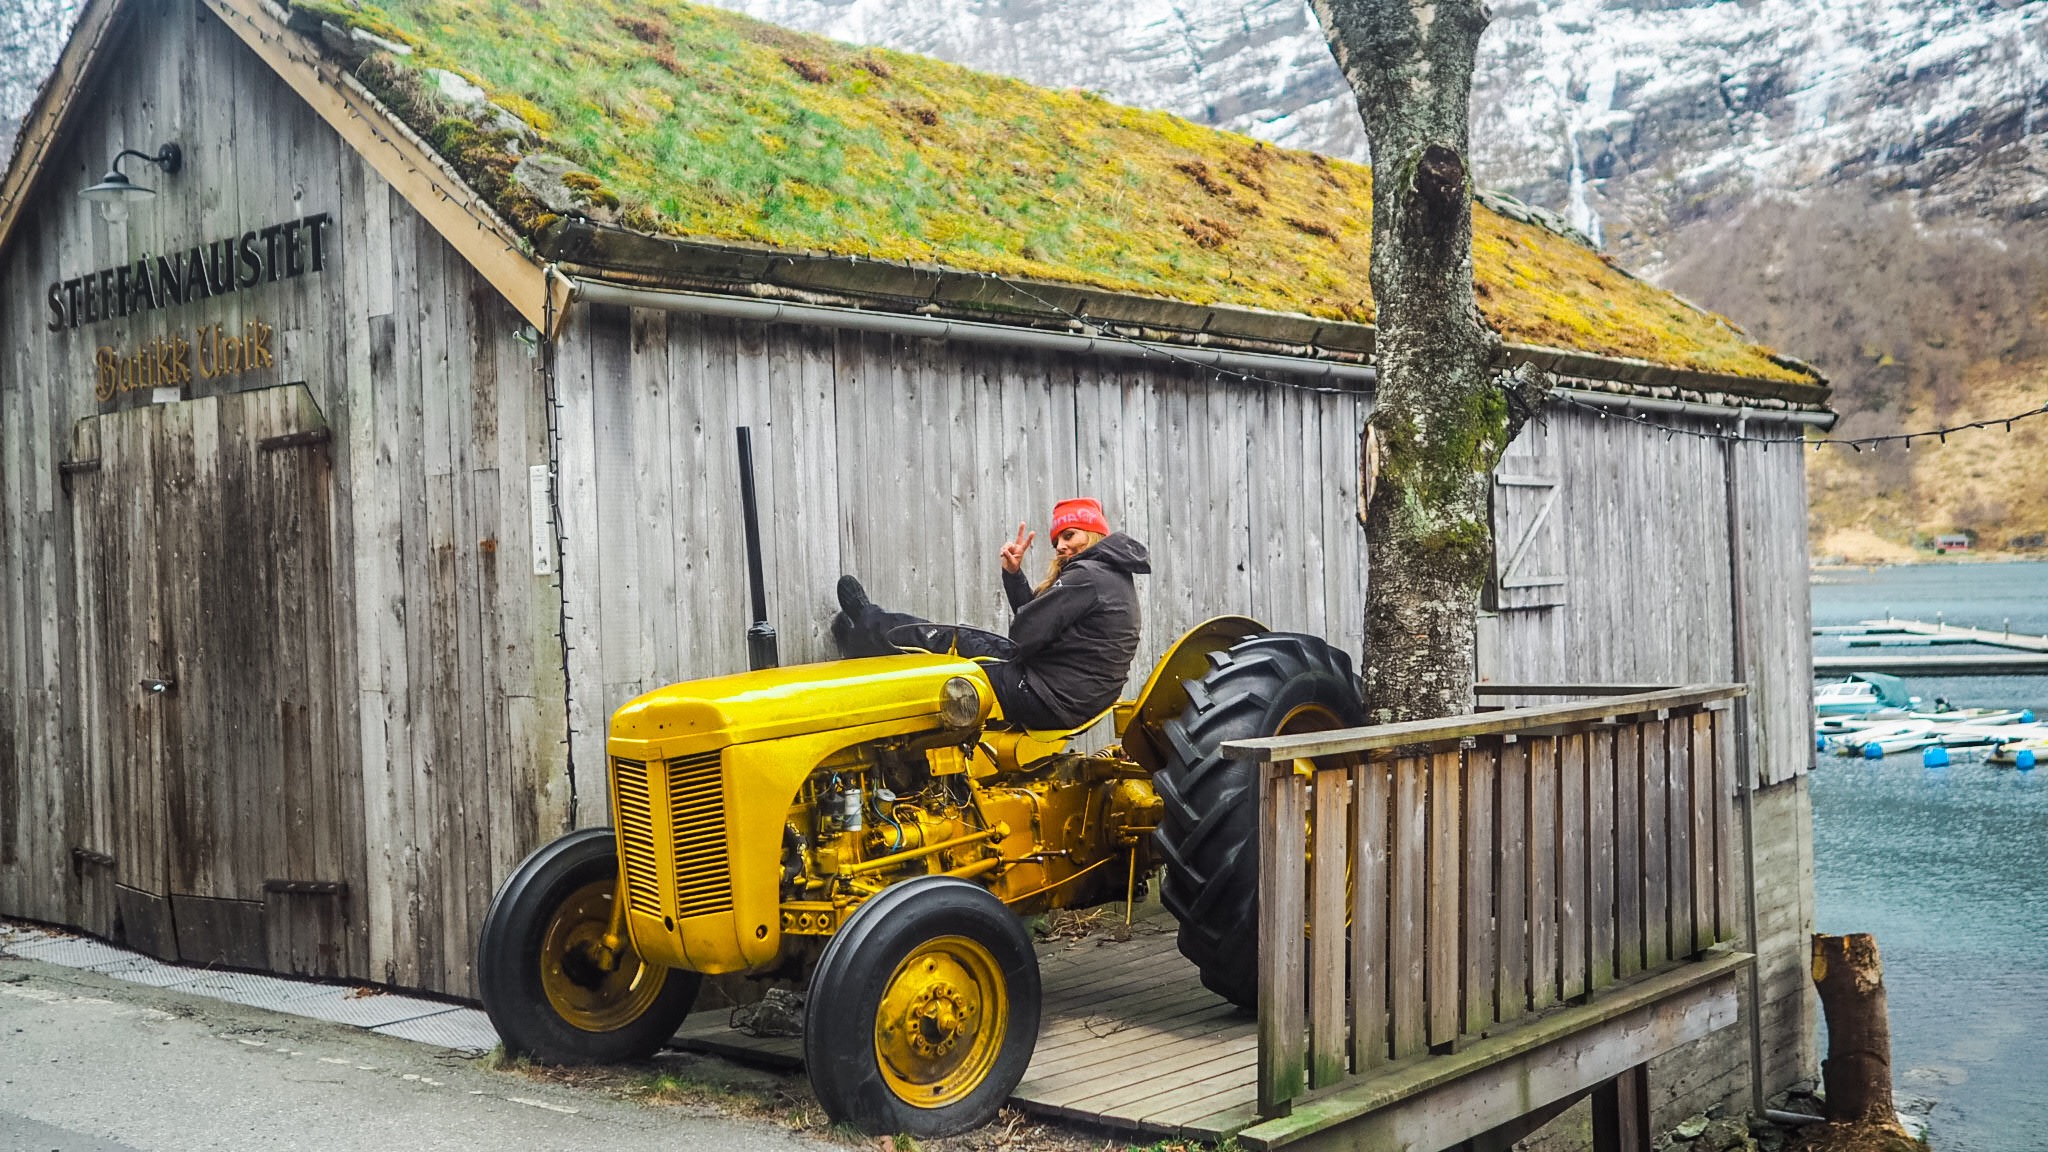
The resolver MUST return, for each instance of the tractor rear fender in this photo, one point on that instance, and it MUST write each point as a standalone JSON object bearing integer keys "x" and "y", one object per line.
{"x": 1166, "y": 694}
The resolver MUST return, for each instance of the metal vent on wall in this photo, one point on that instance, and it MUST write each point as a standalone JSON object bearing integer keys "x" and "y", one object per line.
{"x": 696, "y": 805}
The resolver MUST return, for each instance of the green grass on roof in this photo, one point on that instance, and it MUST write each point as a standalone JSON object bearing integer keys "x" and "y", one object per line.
{"x": 701, "y": 122}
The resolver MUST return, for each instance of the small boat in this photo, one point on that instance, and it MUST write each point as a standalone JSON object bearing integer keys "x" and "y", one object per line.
{"x": 1979, "y": 716}
{"x": 1861, "y": 694}
{"x": 1988, "y": 731}
{"x": 1836, "y": 725}
{"x": 2029, "y": 749}
{"x": 1880, "y": 740}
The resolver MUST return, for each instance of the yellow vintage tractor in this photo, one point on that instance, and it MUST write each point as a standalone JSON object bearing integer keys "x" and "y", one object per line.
{"x": 869, "y": 824}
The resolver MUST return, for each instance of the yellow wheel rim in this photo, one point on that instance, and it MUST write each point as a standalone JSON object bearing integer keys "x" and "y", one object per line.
{"x": 1308, "y": 718}
{"x": 941, "y": 1022}
{"x": 578, "y": 986}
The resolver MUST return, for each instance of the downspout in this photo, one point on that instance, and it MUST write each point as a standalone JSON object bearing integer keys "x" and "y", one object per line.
{"x": 1738, "y": 608}
{"x": 1628, "y": 404}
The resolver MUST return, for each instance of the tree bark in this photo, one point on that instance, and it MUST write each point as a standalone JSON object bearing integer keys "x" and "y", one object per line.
{"x": 1858, "y": 1070}
{"x": 1441, "y": 419}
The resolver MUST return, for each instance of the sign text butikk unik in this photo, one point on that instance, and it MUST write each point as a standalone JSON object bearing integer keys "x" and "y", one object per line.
{"x": 172, "y": 361}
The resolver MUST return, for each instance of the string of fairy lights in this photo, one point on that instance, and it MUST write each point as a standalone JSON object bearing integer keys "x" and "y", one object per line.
{"x": 1855, "y": 443}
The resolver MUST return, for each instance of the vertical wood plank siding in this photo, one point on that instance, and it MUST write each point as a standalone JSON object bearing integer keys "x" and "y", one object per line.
{"x": 418, "y": 667}
{"x": 908, "y": 462}
{"x": 1644, "y": 521}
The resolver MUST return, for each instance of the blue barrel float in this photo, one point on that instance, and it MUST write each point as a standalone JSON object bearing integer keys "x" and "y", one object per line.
{"x": 1934, "y": 756}
{"x": 2023, "y": 759}
{"x": 1873, "y": 751}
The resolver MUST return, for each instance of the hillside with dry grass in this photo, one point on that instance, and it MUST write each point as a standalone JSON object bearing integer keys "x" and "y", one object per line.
{"x": 1917, "y": 326}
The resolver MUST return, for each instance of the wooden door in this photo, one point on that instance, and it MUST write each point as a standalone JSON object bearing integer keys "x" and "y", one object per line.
{"x": 214, "y": 583}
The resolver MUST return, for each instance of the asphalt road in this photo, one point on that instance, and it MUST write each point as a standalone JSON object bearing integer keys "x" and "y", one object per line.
{"x": 89, "y": 1063}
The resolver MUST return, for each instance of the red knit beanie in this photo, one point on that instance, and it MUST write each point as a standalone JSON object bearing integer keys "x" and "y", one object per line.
{"x": 1083, "y": 512}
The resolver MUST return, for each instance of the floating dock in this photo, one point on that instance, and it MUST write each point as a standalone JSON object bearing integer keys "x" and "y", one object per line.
{"x": 2023, "y": 656}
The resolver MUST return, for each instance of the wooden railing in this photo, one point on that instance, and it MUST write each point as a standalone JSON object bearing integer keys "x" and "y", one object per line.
{"x": 1460, "y": 875}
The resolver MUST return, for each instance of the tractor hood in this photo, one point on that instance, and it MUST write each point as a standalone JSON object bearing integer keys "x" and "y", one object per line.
{"x": 701, "y": 715}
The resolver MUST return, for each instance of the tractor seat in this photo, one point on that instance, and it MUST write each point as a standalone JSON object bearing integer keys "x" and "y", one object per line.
{"x": 1015, "y": 747}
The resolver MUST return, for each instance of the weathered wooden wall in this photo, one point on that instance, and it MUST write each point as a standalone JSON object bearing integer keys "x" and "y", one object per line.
{"x": 442, "y": 671}
{"x": 909, "y": 463}
{"x": 1639, "y": 531}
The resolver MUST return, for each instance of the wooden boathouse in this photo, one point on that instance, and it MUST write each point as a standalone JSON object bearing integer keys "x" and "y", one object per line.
{"x": 350, "y": 477}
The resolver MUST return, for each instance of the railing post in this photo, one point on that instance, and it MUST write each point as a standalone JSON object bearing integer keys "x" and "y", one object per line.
{"x": 1371, "y": 842}
{"x": 1327, "y": 916}
{"x": 1283, "y": 850}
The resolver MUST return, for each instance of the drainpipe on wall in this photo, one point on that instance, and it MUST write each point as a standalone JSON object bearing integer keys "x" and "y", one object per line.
{"x": 1746, "y": 792}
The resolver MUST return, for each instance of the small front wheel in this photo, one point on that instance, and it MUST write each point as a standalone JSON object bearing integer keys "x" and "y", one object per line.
{"x": 551, "y": 988}
{"x": 923, "y": 1011}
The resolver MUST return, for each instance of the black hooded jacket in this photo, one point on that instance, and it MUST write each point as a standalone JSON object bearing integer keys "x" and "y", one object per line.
{"x": 1076, "y": 640}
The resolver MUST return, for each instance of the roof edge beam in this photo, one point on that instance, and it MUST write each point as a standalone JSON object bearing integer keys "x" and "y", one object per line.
{"x": 1626, "y": 403}
{"x": 1339, "y": 374}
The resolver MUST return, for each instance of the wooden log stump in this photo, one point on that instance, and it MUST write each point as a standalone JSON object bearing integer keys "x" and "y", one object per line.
{"x": 1858, "y": 1070}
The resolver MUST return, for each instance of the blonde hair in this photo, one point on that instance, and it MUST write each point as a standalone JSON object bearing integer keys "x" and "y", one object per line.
{"x": 1052, "y": 572}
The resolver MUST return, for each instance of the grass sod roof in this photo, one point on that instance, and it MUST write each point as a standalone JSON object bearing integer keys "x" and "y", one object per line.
{"x": 696, "y": 122}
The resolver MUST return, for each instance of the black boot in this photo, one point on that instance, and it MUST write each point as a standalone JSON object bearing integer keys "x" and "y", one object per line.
{"x": 853, "y": 599}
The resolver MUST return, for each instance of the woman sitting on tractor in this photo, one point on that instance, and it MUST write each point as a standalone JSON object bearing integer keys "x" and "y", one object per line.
{"x": 1073, "y": 637}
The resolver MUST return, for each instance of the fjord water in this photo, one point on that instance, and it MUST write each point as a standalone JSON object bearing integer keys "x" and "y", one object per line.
{"x": 1948, "y": 867}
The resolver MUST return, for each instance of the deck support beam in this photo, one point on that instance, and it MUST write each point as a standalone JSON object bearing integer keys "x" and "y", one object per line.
{"x": 1600, "y": 1045}
{"x": 1621, "y": 1112}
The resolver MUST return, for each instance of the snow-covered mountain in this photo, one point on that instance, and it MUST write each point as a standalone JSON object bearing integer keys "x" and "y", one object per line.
{"x": 1632, "y": 115}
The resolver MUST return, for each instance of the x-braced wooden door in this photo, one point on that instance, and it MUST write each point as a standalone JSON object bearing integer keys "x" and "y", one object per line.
{"x": 237, "y": 834}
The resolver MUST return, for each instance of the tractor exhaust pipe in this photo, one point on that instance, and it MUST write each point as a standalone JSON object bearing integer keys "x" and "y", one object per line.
{"x": 760, "y": 634}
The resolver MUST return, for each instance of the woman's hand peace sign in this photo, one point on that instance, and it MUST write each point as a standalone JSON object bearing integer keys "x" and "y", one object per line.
{"x": 1013, "y": 552}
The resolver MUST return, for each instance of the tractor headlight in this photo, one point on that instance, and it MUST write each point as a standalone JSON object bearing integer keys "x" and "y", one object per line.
{"x": 959, "y": 703}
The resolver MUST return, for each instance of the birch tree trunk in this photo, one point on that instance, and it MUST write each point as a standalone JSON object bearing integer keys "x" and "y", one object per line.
{"x": 1441, "y": 420}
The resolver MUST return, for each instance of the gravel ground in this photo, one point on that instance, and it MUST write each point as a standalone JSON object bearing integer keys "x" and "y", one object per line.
{"x": 89, "y": 1063}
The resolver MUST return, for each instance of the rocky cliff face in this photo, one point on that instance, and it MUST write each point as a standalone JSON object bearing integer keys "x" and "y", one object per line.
{"x": 1636, "y": 116}
{"x": 1863, "y": 183}
{"x": 31, "y": 34}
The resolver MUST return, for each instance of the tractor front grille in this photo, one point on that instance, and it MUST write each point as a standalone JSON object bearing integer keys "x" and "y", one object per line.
{"x": 635, "y": 803}
{"x": 696, "y": 808}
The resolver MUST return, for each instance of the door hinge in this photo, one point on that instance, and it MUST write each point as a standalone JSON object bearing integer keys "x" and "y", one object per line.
{"x": 307, "y": 887}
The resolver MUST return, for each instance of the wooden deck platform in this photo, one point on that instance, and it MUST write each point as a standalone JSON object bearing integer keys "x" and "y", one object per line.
{"x": 1128, "y": 1039}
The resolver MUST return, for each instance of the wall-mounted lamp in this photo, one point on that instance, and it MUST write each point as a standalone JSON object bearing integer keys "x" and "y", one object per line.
{"x": 115, "y": 191}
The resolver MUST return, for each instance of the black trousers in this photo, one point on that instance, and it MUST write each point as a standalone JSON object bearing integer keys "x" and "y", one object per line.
{"x": 870, "y": 635}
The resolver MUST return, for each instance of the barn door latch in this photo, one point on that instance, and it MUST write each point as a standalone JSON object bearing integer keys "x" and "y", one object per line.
{"x": 159, "y": 687}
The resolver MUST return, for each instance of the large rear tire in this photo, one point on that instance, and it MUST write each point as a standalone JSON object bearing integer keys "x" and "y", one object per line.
{"x": 1274, "y": 684}
{"x": 923, "y": 1011}
{"x": 538, "y": 967}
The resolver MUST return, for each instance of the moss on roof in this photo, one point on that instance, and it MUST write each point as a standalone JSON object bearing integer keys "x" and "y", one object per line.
{"x": 700, "y": 122}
